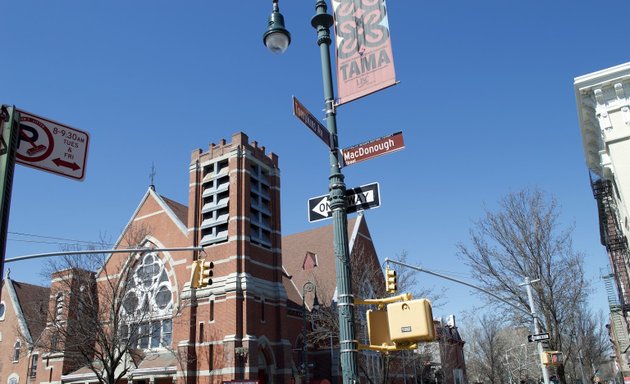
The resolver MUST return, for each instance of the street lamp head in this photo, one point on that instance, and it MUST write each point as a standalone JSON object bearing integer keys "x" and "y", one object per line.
{"x": 276, "y": 38}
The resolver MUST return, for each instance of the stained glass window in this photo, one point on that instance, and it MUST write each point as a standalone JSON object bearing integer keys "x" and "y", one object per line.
{"x": 148, "y": 305}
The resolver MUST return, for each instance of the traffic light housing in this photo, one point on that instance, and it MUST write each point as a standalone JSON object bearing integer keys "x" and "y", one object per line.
{"x": 553, "y": 358}
{"x": 378, "y": 328}
{"x": 205, "y": 272}
{"x": 201, "y": 274}
{"x": 411, "y": 321}
{"x": 391, "y": 285}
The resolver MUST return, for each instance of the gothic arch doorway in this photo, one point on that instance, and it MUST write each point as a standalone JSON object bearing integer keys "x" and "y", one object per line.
{"x": 266, "y": 365}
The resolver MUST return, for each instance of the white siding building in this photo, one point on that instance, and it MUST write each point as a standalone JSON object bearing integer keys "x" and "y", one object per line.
{"x": 603, "y": 103}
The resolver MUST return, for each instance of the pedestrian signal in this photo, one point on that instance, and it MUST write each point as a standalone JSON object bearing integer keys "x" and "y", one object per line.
{"x": 411, "y": 321}
{"x": 552, "y": 358}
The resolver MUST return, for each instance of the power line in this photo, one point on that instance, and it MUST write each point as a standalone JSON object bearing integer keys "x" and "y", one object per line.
{"x": 72, "y": 241}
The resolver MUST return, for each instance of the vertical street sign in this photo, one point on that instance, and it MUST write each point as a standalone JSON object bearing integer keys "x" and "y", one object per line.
{"x": 9, "y": 127}
{"x": 365, "y": 63}
{"x": 373, "y": 148}
{"x": 300, "y": 111}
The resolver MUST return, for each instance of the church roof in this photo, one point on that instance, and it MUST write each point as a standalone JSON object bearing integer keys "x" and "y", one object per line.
{"x": 309, "y": 256}
{"x": 180, "y": 210}
{"x": 31, "y": 306}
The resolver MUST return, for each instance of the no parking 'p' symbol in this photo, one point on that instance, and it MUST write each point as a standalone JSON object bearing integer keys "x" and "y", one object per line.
{"x": 35, "y": 142}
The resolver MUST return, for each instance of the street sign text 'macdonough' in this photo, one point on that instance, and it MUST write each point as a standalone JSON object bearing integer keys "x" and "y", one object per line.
{"x": 373, "y": 148}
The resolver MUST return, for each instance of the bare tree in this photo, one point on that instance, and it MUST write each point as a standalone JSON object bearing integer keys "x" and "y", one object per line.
{"x": 485, "y": 350}
{"x": 524, "y": 238}
{"x": 107, "y": 311}
{"x": 586, "y": 344}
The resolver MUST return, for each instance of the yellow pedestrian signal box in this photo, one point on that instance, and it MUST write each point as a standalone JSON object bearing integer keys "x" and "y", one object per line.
{"x": 391, "y": 285}
{"x": 411, "y": 321}
{"x": 378, "y": 329}
{"x": 552, "y": 358}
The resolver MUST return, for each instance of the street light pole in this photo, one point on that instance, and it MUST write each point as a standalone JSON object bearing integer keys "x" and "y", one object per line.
{"x": 276, "y": 32}
{"x": 348, "y": 345}
{"x": 528, "y": 285}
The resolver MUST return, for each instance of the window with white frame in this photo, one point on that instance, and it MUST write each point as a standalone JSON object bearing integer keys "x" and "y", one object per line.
{"x": 148, "y": 305}
{"x": 13, "y": 379}
{"x": 3, "y": 309}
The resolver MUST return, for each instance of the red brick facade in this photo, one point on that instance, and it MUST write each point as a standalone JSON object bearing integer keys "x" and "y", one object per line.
{"x": 247, "y": 325}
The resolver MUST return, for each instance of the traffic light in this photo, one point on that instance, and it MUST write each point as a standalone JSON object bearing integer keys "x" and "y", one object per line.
{"x": 205, "y": 273}
{"x": 201, "y": 274}
{"x": 391, "y": 286}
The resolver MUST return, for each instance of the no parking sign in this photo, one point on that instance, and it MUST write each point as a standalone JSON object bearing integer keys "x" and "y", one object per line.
{"x": 50, "y": 146}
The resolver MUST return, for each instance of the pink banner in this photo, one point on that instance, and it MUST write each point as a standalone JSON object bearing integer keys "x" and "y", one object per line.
{"x": 364, "y": 52}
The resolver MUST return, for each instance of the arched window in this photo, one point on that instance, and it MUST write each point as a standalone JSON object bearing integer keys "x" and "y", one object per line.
{"x": 16, "y": 351}
{"x": 13, "y": 379}
{"x": 2, "y": 310}
{"x": 148, "y": 305}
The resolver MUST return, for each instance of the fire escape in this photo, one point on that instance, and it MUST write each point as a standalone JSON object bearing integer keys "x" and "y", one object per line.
{"x": 613, "y": 239}
{"x": 618, "y": 331}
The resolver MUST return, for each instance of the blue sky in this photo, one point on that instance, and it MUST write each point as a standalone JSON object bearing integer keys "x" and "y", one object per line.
{"x": 485, "y": 102}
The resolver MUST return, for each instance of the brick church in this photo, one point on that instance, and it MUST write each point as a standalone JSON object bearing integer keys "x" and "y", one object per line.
{"x": 247, "y": 326}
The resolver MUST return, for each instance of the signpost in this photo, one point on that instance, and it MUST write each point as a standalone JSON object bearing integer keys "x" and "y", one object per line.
{"x": 538, "y": 337}
{"x": 373, "y": 148}
{"x": 51, "y": 146}
{"x": 9, "y": 118}
{"x": 358, "y": 199}
{"x": 300, "y": 111}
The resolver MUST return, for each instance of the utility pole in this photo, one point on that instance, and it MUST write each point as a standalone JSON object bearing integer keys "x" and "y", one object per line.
{"x": 543, "y": 368}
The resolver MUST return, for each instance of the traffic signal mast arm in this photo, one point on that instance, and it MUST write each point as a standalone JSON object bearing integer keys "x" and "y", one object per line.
{"x": 381, "y": 302}
{"x": 530, "y": 314}
{"x": 385, "y": 348}
{"x": 420, "y": 269}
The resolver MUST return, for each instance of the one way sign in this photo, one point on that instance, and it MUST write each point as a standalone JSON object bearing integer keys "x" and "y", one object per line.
{"x": 538, "y": 337}
{"x": 358, "y": 199}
